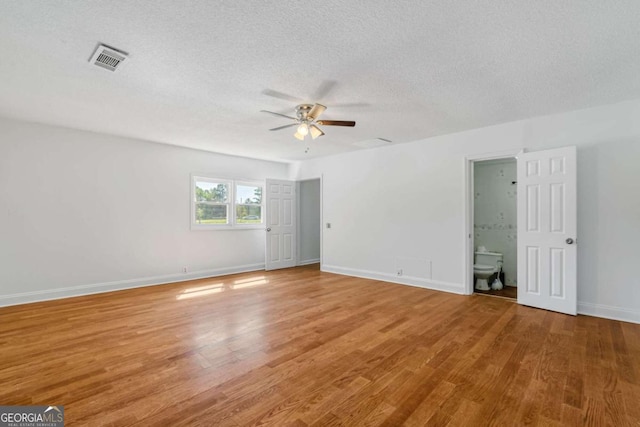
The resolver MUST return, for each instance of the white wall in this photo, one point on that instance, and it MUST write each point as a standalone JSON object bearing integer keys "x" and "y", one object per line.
{"x": 495, "y": 212}
{"x": 404, "y": 205}
{"x": 309, "y": 222}
{"x": 82, "y": 212}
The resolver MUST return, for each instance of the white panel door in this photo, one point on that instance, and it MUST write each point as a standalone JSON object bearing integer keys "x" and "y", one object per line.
{"x": 547, "y": 230}
{"x": 280, "y": 251}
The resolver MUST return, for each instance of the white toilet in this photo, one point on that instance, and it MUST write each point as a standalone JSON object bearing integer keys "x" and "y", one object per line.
{"x": 486, "y": 263}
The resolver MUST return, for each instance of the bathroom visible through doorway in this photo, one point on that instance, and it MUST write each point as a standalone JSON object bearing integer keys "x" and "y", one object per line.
{"x": 495, "y": 227}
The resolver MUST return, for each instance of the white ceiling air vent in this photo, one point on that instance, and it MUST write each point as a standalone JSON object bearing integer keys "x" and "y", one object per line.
{"x": 108, "y": 57}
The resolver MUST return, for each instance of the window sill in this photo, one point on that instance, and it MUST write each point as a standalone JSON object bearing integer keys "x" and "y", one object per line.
{"x": 197, "y": 227}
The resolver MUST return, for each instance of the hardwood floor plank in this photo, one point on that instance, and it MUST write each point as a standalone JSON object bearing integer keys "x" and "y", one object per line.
{"x": 301, "y": 347}
{"x": 467, "y": 410}
{"x": 322, "y": 403}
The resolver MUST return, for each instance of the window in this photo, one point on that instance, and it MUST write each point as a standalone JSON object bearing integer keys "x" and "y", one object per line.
{"x": 224, "y": 203}
{"x": 211, "y": 201}
{"x": 248, "y": 203}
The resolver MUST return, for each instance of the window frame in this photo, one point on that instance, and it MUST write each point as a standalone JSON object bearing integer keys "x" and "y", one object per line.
{"x": 232, "y": 221}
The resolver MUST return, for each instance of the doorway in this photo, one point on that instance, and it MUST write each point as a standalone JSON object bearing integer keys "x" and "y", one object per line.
{"x": 546, "y": 208}
{"x": 293, "y": 223}
{"x": 495, "y": 227}
{"x": 309, "y": 221}
{"x": 470, "y": 198}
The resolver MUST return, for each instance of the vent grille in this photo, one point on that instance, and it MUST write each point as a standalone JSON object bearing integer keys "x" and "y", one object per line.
{"x": 108, "y": 58}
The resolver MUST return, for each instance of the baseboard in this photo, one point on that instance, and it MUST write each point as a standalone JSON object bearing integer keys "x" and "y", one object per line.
{"x": 309, "y": 261}
{"x": 609, "y": 312}
{"x": 588, "y": 309}
{"x": 455, "y": 288}
{"x": 97, "y": 288}
{"x": 596, "y": 310}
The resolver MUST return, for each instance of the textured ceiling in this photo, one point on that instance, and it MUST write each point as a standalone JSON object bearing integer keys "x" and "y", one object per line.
{"x": 404, "y": 70}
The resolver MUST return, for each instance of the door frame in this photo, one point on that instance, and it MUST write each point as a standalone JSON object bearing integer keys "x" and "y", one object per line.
{"x": 468, "y": 236}
{"x": 321, "y": 217}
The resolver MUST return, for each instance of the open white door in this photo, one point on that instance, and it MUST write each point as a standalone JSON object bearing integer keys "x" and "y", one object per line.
{"x": 280, "y": 251}
{"x": 547, "y": 230}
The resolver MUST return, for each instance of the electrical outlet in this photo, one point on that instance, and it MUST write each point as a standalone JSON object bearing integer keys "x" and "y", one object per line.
{"x": 184, "y": 269}
{"x": 399, "y": 272}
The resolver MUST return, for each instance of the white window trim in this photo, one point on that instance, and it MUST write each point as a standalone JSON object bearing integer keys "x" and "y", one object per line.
{"x": 232, "y": 223}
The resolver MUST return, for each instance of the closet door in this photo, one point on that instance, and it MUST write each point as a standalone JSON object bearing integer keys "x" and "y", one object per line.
{"x": 280, "y": 251}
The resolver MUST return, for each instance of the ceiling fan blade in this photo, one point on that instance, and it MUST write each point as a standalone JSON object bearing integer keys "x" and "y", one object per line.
{"x": 278, "y": 114}
{"x": 336, "y": 123}
{"x": 280, "y": 95}
{"x": 315, "y": 131}
{"x": 284, "y": 127}
{"x": 315, "y": 111}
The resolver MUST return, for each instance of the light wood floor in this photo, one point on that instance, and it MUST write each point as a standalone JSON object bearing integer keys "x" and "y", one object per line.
{"x": 506, "y": 292}
{"x": 301, "y": 347}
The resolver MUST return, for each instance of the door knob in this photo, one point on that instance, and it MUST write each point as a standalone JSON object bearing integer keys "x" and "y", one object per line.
{"x": 569, "y": 241}
{"x": 269, "y": 229}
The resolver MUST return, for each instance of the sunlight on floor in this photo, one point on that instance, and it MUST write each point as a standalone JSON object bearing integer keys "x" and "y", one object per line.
{"x": 201, "y": 291}
{"x": 250, "y": 282}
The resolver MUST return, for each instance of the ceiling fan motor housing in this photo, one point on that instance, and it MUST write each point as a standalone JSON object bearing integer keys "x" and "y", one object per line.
{"x": 302, "y": 111}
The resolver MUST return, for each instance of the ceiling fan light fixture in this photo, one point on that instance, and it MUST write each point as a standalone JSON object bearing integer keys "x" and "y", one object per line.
{"x": 315, "y": 131}
{"x": 303, "y": 129}
{"x": 299, "y": 136}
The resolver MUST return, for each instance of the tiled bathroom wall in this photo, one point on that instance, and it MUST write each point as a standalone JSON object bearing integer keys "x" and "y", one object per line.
{"x": 495, "y": 211}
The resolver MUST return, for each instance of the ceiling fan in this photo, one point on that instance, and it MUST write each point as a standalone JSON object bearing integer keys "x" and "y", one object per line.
{"x": 307, "y": 121}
